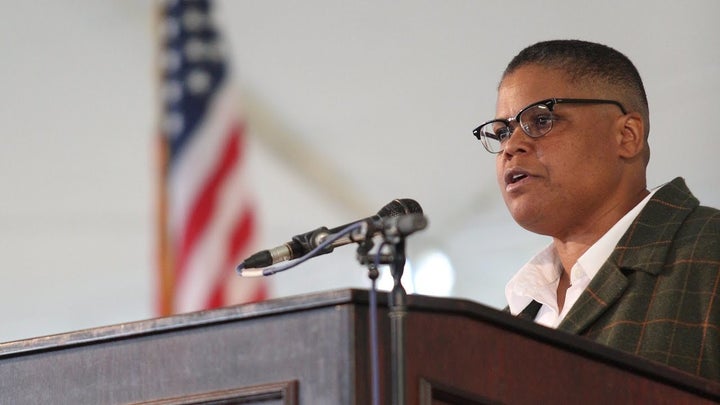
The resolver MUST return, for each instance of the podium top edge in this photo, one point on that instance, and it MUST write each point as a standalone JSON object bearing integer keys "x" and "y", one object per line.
{"x": 312, "y": 301}
{"x": 235, "y": 313}
{"x": 181, "y": 321}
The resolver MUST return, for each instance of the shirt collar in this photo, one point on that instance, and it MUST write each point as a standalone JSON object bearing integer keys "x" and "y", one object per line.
{"x": 534, "y": 281}
{"x": 537, "y": 280}
{"x": 591, "y": 261}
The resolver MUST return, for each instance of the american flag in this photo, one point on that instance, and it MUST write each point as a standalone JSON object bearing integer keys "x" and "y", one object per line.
{"x": 207, "y": 220}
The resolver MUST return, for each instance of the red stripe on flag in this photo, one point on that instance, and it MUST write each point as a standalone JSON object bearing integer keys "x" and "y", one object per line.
{"x": 238, "y": 242}
{"x": 203, "y": 207}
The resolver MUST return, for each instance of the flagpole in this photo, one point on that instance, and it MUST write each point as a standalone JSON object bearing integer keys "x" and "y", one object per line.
{"x": 163, "y": 260}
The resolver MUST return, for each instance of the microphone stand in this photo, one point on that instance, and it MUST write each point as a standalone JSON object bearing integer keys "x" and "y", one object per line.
{"x": 363, "y": 255}
{"x": 398, "y": 311}
{"x": 397, "y": 306}
{"x": 393, "y": 230}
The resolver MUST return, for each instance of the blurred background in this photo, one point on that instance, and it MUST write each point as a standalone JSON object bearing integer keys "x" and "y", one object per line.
{"x": 348, "y": 105}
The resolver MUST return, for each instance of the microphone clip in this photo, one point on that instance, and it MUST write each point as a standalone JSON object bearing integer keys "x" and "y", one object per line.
{"x": 393, "y": 232}
{"x": 310, "y": 240}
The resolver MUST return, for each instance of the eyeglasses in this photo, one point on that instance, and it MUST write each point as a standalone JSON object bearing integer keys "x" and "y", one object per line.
{"x": 536, "y": 120}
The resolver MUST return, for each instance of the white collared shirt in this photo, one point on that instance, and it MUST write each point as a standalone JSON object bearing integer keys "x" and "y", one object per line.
{"x": 538, "y": 279}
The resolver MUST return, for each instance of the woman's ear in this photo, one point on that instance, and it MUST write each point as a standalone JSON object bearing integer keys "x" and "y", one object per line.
{"x": 631, "y": 135}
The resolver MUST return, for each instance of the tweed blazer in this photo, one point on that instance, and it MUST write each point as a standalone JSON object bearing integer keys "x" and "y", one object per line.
{"x": 658, "y": 294}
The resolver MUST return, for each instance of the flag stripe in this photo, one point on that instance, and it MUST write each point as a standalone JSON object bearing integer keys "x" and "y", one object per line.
{"x": 239, "y": 239}
{"x": 203, "y": 261}
{"x": 206, "y": 202}
{"x": 189, "y": 168}
{"x": 206, "y": 261}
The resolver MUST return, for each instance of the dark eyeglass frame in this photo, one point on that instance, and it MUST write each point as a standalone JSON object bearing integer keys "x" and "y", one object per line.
{"x": 550, "y": 104}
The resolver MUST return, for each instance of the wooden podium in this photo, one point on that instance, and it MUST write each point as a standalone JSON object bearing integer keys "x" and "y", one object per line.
{"x": 314, "y": 349}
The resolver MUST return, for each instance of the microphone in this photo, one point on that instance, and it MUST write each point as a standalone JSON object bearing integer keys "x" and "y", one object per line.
{"x": 303, "y": 243}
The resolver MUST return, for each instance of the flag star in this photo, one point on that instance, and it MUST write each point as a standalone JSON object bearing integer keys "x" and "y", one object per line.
{"x": 198, "y": 81}
{"x": 171, "y": 27}
{"x": 172, "y": 91}
{"x": 193, "y": 20}
{"x": 174, "y": 124}
{"x": 172, "y": 60}
{"x": 195, "y": 50}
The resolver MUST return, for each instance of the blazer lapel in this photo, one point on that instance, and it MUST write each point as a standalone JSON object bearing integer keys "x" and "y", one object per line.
{"x": 605, "y": 288}
{"x": 644, "y": 247}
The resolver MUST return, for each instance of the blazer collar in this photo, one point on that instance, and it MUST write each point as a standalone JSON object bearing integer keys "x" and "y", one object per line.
{"x": 644, "y": 247}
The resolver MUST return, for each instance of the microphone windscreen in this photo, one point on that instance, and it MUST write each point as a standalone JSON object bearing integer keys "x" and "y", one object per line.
{"x": 400, "y": 206}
